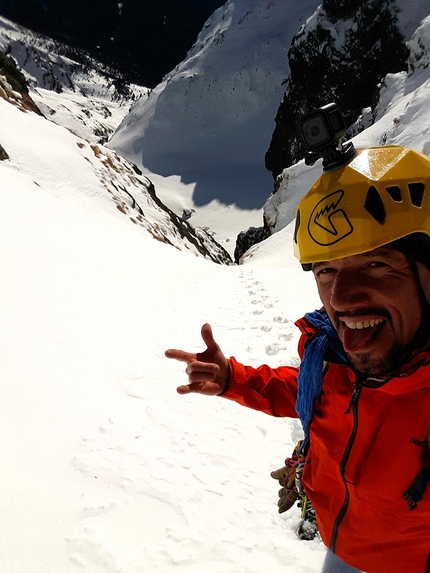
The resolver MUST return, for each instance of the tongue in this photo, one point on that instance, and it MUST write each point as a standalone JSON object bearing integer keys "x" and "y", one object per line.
{"x": 355, "y": 339}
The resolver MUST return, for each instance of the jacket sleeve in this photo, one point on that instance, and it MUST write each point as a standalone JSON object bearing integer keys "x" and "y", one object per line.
{"x": 269, "y": 390}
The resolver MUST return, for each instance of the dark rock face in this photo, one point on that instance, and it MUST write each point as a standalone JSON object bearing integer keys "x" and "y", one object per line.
{"x": 341, "y": 8}
{"x": 13, "y": 88}
{"x": 246, "y": 239}
{"x": 340, "y": 56}
{"x": 144, "y": 39}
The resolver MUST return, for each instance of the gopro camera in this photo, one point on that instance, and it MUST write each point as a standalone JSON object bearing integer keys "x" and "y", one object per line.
{"x": 320, "y": 132}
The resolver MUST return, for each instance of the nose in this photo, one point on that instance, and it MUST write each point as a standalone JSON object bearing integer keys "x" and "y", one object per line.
{"x": 348, "y": 291}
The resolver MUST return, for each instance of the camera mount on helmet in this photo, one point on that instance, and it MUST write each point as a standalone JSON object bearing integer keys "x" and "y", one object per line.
{"x": 320, "y": 132}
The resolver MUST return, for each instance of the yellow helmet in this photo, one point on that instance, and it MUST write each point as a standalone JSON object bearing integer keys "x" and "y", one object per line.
{"x": 381, "y": 195}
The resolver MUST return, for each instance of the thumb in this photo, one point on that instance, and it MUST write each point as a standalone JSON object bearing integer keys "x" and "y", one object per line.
{"x": 208, "y": 338}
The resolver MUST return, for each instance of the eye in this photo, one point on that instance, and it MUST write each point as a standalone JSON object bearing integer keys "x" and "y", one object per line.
{"x": 324, "y": 273}
{"x": 377, "y": 264}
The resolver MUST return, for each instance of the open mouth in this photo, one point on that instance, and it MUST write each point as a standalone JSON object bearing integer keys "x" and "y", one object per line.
{"x": 358, "y": 325}
{"x": 359, "y": 333}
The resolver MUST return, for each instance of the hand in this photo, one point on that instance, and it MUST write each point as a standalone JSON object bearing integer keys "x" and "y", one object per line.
{"x": 288, "y": 494}
{"x": 207, "y": 371}
{"x": 288, "y": 472}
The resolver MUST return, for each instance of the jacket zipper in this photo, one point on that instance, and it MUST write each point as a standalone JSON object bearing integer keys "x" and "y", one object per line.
{"x": 354, "y": 406}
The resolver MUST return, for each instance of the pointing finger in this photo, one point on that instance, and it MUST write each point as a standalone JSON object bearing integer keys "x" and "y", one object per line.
{"x": 180, "y": 355}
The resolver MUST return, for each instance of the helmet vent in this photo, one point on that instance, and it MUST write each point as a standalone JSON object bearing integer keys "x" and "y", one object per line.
{"x": 395, "y": 193}
{"x": 374, "y": 205}
{"x": 416, "y": 192}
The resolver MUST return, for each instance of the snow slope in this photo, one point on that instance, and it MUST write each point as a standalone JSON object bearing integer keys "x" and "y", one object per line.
{"x": 104, "y": 466}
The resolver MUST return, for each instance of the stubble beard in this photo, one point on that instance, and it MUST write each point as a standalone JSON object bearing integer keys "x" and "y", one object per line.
{"x": 368, "y": 366}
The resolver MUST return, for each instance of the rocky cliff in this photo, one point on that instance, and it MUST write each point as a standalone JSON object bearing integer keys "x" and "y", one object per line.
{"x": 340, "y": 54}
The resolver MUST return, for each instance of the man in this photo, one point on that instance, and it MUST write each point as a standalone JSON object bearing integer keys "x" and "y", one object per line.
{"x": 363, "y": 387}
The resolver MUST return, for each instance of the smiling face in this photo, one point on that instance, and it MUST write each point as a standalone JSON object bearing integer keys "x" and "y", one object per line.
{"x": 372, "y": 300}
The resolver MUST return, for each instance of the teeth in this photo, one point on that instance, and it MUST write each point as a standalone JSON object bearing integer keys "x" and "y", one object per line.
{"x": 363, "y": 323}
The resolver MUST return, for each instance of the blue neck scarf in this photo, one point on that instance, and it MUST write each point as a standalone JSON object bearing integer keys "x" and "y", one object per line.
{"x": 311, "y": 376}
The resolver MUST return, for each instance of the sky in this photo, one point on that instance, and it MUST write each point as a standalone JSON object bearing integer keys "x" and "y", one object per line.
{"x": 105, "y": 468}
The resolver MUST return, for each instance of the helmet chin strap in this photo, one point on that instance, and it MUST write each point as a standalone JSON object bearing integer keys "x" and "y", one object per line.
{"x": 422, "y": 335}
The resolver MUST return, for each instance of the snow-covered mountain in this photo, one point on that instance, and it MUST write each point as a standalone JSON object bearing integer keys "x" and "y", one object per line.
{"x": 210, "y": 123}
{"x": 85, "y": 101}
{"x": 217, "y": 107}
{"x": 94, "y": 97}
{"x": 341, "y": 54}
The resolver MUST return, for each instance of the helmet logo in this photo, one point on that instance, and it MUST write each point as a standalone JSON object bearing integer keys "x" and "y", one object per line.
{"x": 328, "y": 224}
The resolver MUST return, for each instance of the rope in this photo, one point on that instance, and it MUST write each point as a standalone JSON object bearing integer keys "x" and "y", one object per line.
{"x": 311, "y": 376}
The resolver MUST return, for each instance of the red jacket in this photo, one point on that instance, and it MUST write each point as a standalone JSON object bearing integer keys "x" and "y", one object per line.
{"x": 367, "y": 445}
